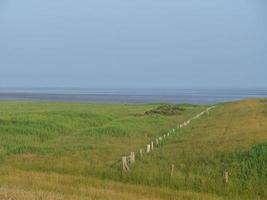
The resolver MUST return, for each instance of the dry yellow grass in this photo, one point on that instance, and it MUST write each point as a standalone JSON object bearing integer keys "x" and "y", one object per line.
{"x": 21, "y": 185}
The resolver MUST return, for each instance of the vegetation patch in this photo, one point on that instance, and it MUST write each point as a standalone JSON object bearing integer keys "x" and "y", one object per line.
{"x": 21, "y": 149}
{"x": 2, "y": 154}
{"x": 166, "y": 109}
{"x": 112, "y": 131}
{"x": 248, "y": 169}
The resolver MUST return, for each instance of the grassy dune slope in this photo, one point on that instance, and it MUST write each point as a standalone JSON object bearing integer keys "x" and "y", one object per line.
{"x": 232, "y": 138}
{"x": 72, "y": 151}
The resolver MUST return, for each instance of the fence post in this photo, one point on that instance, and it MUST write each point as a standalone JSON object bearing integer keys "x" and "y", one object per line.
{"x": 125, "y": 166}
{"x": 226, "y": 177}
{"x": 132, "y": 158}
{"x": 152, "y": 146}
{"x": 141, "y": 153}
{"x": 148, "y": 148}
{"x": 160, "y": 140}
{"x": 157, "y": 142}
{"x": 172, "y": 169}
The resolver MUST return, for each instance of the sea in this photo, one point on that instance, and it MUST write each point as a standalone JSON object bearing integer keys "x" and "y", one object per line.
{"x": 130, "y": 96}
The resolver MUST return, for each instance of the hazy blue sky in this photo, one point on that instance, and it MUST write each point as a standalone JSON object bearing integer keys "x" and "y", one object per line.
{"x": 133, "y": 43}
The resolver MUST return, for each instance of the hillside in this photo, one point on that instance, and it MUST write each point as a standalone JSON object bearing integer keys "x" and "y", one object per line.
{"x": 73, "y": 151}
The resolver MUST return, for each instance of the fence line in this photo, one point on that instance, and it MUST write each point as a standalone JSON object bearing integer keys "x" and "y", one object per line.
{"x": 129, "y": 160}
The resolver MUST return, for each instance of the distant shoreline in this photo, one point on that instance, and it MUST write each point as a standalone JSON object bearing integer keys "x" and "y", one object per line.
{"x": 208, "y": 96}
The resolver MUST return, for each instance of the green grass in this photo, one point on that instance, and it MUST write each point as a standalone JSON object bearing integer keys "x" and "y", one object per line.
{"x": 75, "y": 149}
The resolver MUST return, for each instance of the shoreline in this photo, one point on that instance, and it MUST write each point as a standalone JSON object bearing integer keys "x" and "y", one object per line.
{"x": 198, "y": 97}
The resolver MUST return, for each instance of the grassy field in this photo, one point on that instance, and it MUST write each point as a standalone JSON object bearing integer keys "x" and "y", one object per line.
{"x": 55, "y": 151}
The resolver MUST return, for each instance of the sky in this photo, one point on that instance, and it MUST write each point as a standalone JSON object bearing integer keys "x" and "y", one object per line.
{"x": 133, "y": 43}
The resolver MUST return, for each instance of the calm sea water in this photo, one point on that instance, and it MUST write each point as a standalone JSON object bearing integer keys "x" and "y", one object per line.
{"x": 203, "y": 96}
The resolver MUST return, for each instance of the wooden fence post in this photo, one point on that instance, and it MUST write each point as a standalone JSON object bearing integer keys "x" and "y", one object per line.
{"x": 160, "y": 140}
{"x": 132, "y": 158}
{"x": 125, "y": 166}
{"x": 152, "y": 146}
{"x": 157, "y": 142}
{"x": 141, "y": 153}
{"x": 148, "y": 148}
{"x": 226, "y": 177}
{"x": 172, "y": 169}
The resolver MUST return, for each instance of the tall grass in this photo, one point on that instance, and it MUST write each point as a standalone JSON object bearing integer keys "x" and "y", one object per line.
{"x": 88, "y": 140}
